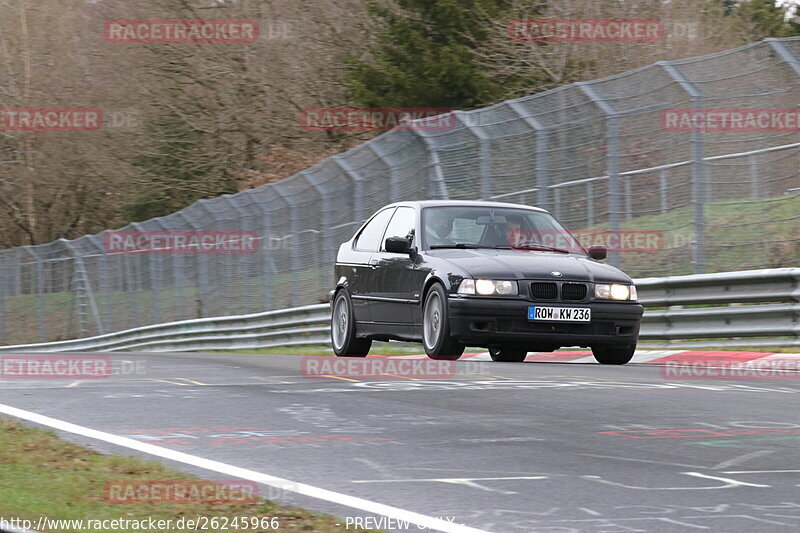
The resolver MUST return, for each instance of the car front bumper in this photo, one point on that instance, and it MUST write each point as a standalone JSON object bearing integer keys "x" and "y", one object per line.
{"x": 494, "y": 321}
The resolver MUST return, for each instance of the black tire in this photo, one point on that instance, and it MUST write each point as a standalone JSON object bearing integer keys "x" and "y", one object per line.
{"x": 436, "y": 327}
{"x": 613, "y": 355}
{"x": 343, "y": 329}
{"x": 508, "y": 354}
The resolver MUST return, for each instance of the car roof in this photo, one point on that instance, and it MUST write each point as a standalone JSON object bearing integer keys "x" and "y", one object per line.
{"x": 465, "y": 203}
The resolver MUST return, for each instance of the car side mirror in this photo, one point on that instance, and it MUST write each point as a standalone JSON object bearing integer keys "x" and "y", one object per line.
{"x": 598, "y": 252}
{"x": 397, "y": 245}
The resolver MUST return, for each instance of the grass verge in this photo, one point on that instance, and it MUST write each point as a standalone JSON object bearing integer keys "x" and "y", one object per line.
{"x": 43, "y": 476}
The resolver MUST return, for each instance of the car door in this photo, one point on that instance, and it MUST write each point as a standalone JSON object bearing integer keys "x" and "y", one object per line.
{"x": 394, "y": 273}
{"x": 362, "y": 273}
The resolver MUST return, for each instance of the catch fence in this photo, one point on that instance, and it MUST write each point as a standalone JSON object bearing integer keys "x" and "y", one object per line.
{"x": 600, "y": 155}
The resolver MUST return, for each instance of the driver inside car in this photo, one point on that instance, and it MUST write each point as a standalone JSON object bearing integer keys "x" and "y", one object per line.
{"x": 514, "y": 234}
{"x": 438, "y": 225}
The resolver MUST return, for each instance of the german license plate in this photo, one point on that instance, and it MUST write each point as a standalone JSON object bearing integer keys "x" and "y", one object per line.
{"x": 560, "y": 314}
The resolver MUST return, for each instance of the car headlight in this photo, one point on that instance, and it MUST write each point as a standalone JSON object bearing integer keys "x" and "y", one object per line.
{"x": 488, "y": 287}
{"x": 615, "y": 291}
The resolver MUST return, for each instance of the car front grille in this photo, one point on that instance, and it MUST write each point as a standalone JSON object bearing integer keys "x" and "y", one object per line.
{"x": 542, "y": 290}
{"x": 573, "y": 291}
{"x": 548, "y": 290}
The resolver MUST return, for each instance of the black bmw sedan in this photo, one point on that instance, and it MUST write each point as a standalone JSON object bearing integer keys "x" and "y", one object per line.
{"x": 502, "y": 276}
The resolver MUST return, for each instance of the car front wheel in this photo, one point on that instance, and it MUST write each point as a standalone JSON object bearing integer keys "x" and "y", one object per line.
{"x": 613, "y": 355}
{"x": 343, "y": 329}
{"x": 436, "y": 327}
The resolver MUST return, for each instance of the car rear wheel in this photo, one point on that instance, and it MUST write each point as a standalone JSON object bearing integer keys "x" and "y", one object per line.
{"x": 436, "y": 327}
{"x": 508, "y": 354}
{"x": 613, "y": 355}
{"x": 343, "y": 329}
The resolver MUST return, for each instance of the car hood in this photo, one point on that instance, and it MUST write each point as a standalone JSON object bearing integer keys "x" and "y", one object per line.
{"x": 527, "y": 264}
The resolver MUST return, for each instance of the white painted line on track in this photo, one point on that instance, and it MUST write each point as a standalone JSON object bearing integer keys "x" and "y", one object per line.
{"x": 583, "y": 360}
{"x": 645, "y": 356}
{"x": 243, "y": 473}
{"x": 780, "y": 356}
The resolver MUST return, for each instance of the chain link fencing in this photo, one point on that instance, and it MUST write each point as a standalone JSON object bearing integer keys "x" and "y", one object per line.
{"x": 597, "y": 154}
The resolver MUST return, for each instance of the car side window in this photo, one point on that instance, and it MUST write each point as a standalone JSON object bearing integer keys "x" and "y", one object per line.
{"x": 402, "y": 225}
{"x": 369, "y": 240}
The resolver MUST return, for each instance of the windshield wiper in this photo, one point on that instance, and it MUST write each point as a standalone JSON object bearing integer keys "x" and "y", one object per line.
{"x": 542, "y": 247}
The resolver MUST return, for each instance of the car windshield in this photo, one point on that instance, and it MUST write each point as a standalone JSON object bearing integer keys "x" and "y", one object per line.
{"x": 496, "y": 227}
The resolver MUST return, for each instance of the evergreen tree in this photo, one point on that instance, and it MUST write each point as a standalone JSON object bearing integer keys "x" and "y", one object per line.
{"x": 764, "y": 18}
{"x": 424, "y": 56}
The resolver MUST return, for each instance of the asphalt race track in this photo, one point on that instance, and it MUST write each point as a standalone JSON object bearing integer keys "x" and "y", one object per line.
{"x": 536, "y": 447}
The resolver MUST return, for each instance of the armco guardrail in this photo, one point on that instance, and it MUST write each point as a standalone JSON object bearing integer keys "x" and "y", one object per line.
{"x": 286, "y": 327}
{"x": 748, "y": 308}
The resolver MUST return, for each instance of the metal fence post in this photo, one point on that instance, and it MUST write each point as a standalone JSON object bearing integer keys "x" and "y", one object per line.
{"x": 485, "y": 161}
{"x": 201, "y": 279}
{"x": 663, "y": 179}
{"x": 436, "y": 181}
{"x": 557, "y": 201}
{"x": 628, "y": 199}
{"x": 243, "y": 219}
{"x": 783, "y": 52}
{"x": 326, "y": 258}
{"x": 39, "y": 291}
{"x": 358, "y": 186}
{"x": 394, "y": 185}
{"x": 84, "y": 292}
{"x": 214, "y": 264}
{"x": 104, "y": 287}
{"x": 699, "y": 185}
{"x": 755, "y": 190}
{"x": 5, "y": 279}
{"x": 267, "y": 264}
{"x": 612, "y": 158}
{"x": 296, "y": 260}
{"x": 176, "y": 296}
{"x": 542, "y": 179}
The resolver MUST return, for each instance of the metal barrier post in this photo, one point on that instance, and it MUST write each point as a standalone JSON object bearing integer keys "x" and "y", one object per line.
{"x": 436, "y": 181}
{"x": 326, "y": 258}
{"x": 39, "y": 291}
{"x": 612, "y": 158}
{"x": 296, "y": 260}
{"x": 542, "y": 180}
{"x": 358, "y": 186}
{"x": 268, "y": 266}
{"x": 699, "y": 185}
{"x": 394, "y": 185}
{"x": 485, "y": 160}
